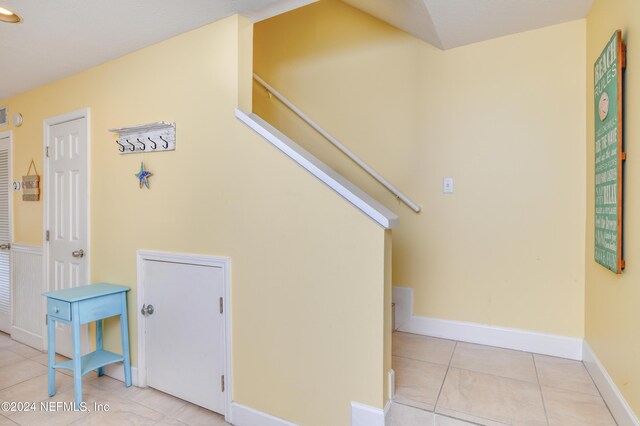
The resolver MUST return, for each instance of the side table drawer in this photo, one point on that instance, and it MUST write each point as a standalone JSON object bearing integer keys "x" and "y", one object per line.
{"x": 59, "y": 309}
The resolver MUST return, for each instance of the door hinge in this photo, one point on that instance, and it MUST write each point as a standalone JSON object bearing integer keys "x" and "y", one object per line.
{"x": 47, "y": 152}
{"x": 46, "y": 320}
{"x": 46, "y": 237}
{"x": 221, "y": 306}
{"x": 222, "y": 383}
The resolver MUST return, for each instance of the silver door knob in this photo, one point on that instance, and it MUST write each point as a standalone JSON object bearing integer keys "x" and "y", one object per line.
{"x": 147, "y": 310}
{"x": 77, "y": 253}
{"x": 5, "y": 246}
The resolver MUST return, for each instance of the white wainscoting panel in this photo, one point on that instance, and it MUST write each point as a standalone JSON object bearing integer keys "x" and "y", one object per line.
{"x": 26, "y": 278}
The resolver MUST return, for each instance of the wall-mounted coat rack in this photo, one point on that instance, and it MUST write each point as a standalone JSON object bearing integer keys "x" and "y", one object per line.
{"x": 152, "y": 137}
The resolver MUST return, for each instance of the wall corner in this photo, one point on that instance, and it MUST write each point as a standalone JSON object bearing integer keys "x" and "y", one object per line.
{"x": 245, "y": 63}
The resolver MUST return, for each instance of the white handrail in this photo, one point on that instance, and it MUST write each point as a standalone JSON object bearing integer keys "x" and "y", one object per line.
{"x": 395, "y": 191}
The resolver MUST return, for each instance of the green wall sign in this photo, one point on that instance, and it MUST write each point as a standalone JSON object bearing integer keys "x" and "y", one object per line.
{"x": 608, "y": 154}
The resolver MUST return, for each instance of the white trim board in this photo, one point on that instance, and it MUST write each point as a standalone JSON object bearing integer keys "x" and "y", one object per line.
{"x": 620, "y": 409}
{"x": 116, "y": 371}
{"x": 372, "y": 208}
{"x": 361, "y": 415}
{"x": 509, "y": 338}
{"x": 365, "y": 415}
{"x": 191, "y": 259}
{"x": 246, "y": 416}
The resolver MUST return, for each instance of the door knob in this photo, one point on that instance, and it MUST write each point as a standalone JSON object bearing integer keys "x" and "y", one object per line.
{"x": 147, "y": 310}
{"x": 77, "y": 253}
{"x": 5, "y": 246}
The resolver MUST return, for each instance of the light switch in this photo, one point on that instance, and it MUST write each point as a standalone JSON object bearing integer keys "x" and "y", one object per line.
{"x": 447, "y": 185}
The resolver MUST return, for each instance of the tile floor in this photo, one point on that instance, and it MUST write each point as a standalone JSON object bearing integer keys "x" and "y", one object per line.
{"x": 23, "y": 378}
{"x": 438, "y": 383}
{"x": 446, "y": 383}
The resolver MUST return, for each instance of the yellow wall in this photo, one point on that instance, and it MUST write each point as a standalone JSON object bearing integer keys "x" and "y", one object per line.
{"x": 307, "y": 268}
{"x": 612, "y": 300}
{"x": 504, "y": 117}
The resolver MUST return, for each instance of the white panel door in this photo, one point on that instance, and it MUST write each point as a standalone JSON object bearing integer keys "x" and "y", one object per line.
{"x": 67, "y": 215}
{"x": 5, "y": 235}
{"x": 185, "y": 344}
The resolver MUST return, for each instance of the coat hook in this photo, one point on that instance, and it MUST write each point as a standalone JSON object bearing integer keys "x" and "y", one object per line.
{"x": 166, "y": 143}
{"x": 153, "y": 142}
{"x": 143, "y": 145}
{"x": 121, "y": 149}
{"x": 133, "y": 147}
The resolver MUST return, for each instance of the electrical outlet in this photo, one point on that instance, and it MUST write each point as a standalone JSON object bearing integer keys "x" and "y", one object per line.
{"x": 447, "y": 185}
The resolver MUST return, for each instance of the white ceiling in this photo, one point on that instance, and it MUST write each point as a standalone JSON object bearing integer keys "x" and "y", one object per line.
{"x": 454, "y": 23}
{"x": 58, "y": 38}
{"x": 62, "y": 37}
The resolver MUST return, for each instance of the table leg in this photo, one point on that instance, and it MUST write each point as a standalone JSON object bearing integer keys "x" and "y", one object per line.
{"x": 51, "y": 349}
{"x": 77, "y": 357}
{"x": 124, "y": 330}
{"x": 99, "y": 342}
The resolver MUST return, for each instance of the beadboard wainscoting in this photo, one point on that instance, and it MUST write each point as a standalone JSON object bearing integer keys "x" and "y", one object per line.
{"x": 27, "y": 287}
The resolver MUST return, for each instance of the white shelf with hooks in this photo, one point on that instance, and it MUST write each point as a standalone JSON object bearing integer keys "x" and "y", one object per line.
{"x": 152, "y": 137}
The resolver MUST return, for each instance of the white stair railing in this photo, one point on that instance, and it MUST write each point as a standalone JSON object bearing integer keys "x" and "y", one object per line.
{"x": 395, "y": 191}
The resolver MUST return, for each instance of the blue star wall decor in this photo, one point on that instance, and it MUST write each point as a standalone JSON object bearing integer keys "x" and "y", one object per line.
{"x": 143, "y": 176}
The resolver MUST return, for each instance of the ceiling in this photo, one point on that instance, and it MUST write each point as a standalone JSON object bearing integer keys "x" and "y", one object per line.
{"x": 62, "y": 37}
{"x": 454, "y": 23}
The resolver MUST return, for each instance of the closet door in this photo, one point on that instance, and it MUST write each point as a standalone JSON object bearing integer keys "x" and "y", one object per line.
{"x": 5, "y": 235}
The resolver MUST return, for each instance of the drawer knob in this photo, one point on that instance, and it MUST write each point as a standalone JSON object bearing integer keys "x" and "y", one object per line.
{"x": 56, "y": 310}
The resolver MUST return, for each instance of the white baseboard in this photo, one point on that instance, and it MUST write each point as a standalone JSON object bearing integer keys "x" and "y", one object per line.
{"x": 509, "y": 338}
{"x": 620, "y": 409}
{"x": 28, "y": 338}
{"x": 116, "y": 371}
{"x": 364, "y": 415}
{"x": 245, "y": 416}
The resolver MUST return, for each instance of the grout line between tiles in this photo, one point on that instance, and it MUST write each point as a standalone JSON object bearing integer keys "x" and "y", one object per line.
{"x": 7, "y": 418}
{"x": 468, "y": 414}
{"x": 22, "y": 381}
{"x": 467, "y": 421}
{"x": 598, "y": 389}
{"x": 445, "y": 376}
{"x": 495, "y": 375}
{"x": 417, "y": 359}
{"x": 544, "y": 404}
{"x": 405, "y": 404}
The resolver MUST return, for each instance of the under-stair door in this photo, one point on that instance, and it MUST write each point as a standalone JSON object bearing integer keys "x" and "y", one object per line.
{"x": 185, "y": 340}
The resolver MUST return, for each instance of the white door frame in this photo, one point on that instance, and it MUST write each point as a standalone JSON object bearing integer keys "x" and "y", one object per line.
{"x": 216, "y": 261}
{"x": 47, "y": 123}
{"x": 9, "y": 135}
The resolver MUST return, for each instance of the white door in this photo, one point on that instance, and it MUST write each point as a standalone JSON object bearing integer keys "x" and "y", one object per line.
{"x": 67, "y": 215}
{"x": 185, "y": 341}
{"x": 5, "y": 235}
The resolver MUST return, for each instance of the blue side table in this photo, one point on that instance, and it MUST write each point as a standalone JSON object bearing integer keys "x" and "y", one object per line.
{"x": 81, "y": 305}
